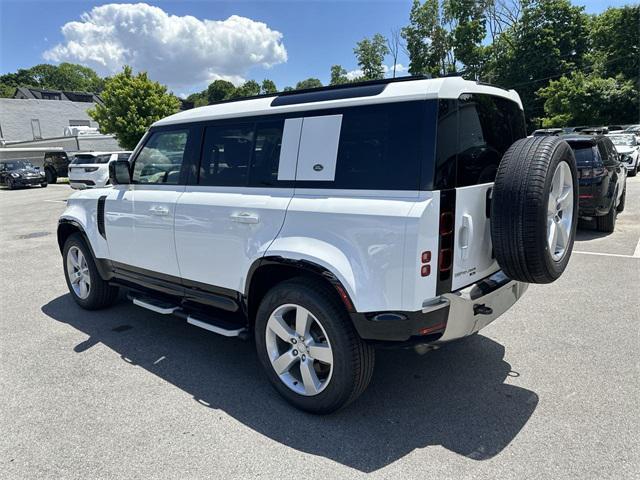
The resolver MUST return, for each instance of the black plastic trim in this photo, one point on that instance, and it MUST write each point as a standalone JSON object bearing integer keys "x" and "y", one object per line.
{"x": 401, "y": 326}
{"x": 321, "y": 95}
{"x": 100, "y": 216}
{"x": 103, "y": 266}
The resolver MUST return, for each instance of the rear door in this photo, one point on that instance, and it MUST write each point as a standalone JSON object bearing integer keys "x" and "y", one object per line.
{"x": 230, "y": 215}
{"x": 487, "y": 126}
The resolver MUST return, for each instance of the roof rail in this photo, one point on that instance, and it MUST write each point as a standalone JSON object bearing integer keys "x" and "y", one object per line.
{"x": 328, "y": 88}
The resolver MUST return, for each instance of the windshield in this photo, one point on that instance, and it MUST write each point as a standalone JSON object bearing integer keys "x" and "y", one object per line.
{"x": 623, "y": 140}
{"x": 17, "y": 165}
{"x": 90, "y": 159}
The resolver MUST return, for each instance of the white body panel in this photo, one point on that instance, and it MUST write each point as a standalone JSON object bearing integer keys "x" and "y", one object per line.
{"x": 357, "y": 235}
{"x": 472, "y": 252}
{"x": 221, "y": 231}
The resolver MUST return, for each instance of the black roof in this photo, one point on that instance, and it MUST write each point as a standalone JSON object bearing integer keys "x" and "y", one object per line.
{"x": 577, "y": 138}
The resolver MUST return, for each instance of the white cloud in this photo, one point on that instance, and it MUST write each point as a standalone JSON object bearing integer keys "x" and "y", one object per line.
{"x": 388, "y": 71}
{"x": 181, "y": 52}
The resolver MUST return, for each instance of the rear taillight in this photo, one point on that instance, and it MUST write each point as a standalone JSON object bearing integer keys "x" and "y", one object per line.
{"x": 591, "y": 172}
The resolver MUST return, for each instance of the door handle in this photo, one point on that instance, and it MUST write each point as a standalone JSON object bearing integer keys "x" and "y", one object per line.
{"x": 245, "y": 217}
{"x": 466, "y": 234}
{"x": 158, "y": 210}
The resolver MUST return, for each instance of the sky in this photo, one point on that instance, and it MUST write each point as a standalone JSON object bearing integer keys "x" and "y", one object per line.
{"x": 187, "y": 44}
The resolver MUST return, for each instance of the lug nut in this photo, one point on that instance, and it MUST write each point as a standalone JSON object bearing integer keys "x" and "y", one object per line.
{"x": 295, "y": 352}
{"x": 293, "y": 340}
{"x": 304, "y": 357}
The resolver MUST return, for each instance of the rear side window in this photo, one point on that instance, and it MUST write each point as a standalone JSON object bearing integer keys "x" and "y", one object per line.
{"x": 380, "y": 147}
{"x": 474, "y": 132}
{"x": 160, "y": 160}
{"x": 226, "y": 155}
{"x": 266, "y": 154}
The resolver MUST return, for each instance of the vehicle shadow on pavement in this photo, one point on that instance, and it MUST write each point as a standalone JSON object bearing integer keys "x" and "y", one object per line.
{"x": 454, "y": 397}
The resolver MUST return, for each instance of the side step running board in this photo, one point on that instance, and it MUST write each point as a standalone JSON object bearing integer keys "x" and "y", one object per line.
{"x": 219, "y": 326}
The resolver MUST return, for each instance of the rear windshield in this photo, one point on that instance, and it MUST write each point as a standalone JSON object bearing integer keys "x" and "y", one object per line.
{"x": 474, "y": 132}
{"x": 584, "y": 155}
{"x": 89, "y": 159}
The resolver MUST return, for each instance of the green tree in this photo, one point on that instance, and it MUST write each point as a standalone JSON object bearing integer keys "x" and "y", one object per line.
{"x": 580, "y": 99}
{"x": 131, "y": 104}
{"x": 338, "y": 75}
{"x": 467, "y": 21}
{"x": 370, "y": 54}
{"x": 7, "y": 91}
{"x": 427, "y": 40}
{"x": 66, "y": 76}
{"x": 249, "y": 88}
{"x": 268, "y": 86}
{"x": 615, "y": 42}
{"x": 220, "y": 90}
{"x": 308, "y": 83}
{"x": 549, "y": 41}
{"x": 288, "y": 89}
{"x": 199, "y": 99}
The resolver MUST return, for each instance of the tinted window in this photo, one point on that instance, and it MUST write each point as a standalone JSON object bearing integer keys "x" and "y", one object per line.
{"x": 380, "y": 147}
{"x": 160, "y": 160}
{"x": 226, "y": 155}
{"x": 90, "y": 159}
{"x": 123, "y": 156}
{"x": 266, "y": 154}
{"x": 474, "y": 132}
{"x": 584, "y": 155}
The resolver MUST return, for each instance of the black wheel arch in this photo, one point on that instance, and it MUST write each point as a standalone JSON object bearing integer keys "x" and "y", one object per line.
{"x": 267, "y": 271}
{"x": 66, "y": 228}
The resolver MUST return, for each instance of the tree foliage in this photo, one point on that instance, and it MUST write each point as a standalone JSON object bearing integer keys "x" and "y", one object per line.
{"x": 220, "y": 90}
{"x": 580, "y": 99}
{"x": 370, "y": 55}
{"x": 338, "y": 75}
{"x": 66, "y": 76}
{"x": 308, "y": 83}
{"x": 247, "y": 89}
{"x": 131, "y": 104}
{"x": 268, "y": 86}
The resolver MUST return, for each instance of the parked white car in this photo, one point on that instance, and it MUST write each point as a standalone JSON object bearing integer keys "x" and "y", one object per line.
{"x": 91, "y": 169}
{"x": 326, "y": 222}
{"x": 628, "y": 148}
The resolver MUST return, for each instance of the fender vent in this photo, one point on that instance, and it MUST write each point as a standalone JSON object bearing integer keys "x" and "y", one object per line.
{"x": 100, "y": 216}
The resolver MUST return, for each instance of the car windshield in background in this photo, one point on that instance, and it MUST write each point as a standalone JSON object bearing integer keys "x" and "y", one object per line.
{"x": 90, "y": 159}
{"x": 623, "y": 140}
{"x": 17, "y": 165}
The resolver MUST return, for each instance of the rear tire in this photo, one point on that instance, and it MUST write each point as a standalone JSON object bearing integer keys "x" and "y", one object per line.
{"x": 623, "y": 199}
{"x": 52, "y": 176}
{"x": 352, "y": 359}
{"x": 607, "y": 223}
{"x": 98, "y": 294}
{"x": 534, "y": 209}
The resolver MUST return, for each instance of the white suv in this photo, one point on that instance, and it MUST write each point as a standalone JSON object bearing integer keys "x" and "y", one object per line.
{"x": 91, "y": 169}
{"x": 326, "y": 222}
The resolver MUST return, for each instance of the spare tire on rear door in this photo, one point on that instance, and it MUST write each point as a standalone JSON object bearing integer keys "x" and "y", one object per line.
{"x": 534, "y": 209}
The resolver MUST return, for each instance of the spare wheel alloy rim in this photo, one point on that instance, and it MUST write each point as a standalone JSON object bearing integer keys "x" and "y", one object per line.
{"x": 560, "y": 211}
{"x": 299, "y": 349}
{"x": 78, "y": 273}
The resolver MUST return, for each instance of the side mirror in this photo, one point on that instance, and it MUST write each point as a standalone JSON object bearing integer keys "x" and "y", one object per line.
{"x": 119, "y": 172}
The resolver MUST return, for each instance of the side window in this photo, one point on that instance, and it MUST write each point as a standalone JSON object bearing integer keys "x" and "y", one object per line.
{"x": 266, "y": 154}
{"x": 226, "y": 155}
{"x": 605, "y": 154}
{"x": 123, "y": 156}
{"x": 160, "y": 160}
{"x": 380, "y": 147}
{"x": 613, "y": 153}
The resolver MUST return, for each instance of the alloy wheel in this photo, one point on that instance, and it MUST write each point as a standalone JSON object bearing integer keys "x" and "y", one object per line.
{"x": 560, "y": 211}
{"x": 78, "y": 272}
{"x": 299, "y": 349}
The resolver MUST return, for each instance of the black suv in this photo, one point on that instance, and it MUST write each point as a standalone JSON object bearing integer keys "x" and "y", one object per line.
{"x": 601, "y": 179}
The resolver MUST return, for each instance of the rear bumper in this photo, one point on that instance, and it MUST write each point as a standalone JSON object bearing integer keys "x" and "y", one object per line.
{"x": 448, "y": 317}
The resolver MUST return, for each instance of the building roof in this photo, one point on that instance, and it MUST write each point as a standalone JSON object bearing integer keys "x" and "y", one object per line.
{"x": 400, "y": 90}
{"x": 47, "y": 94}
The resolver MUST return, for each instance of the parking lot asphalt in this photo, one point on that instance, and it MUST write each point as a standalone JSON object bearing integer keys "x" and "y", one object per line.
{"x": 551, "y": 390}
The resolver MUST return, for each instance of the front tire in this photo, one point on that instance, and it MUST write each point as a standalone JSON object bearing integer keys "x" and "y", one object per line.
{"x": 51, "y": 175}
{"x": 10, "y": 184}
{"x": 44, "y": 185}
{"x": 623, "y": 199}
{"x": 86, "y": 286}
{"x": 308, "y": 347}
